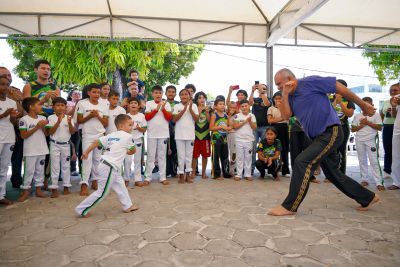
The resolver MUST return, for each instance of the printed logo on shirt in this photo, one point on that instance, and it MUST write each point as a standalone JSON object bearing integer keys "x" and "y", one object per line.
{"x": 114, "y": 139}
{"x": 21, "y": 123}
{"x": 373, "y": 149}
{"x": 42, "y": 162}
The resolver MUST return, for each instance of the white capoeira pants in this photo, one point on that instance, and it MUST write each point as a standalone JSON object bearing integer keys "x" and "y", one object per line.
{"x": 111, "y": 179}
{"x": 6, "y": 150}
{"x": 396, "y": 159}
{"x": 244, "y": 154}
{"x": 368, "y": 150}
{"x": 137, "y": 163}
{"x": 185, "y": 155}
{"x": 60, "y": 156}
{"x": 33, "y": 169}
{"x": 90, "y": 166}
{"x": 159, "y": 146}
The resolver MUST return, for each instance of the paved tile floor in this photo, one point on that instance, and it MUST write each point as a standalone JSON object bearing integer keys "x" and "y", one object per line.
{"x": 208, "y": 223}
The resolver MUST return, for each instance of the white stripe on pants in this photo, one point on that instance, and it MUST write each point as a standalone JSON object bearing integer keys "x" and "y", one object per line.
{"x": 396, "y": 159}
{"x": 111, "y": 179}
{"x": 185, "y": 155}
{"x": 5, "y": 158}
{"x": 60, "y": 156}
{"x": 244, "y": 153}
{"x": 368, "y": 150}
{"x": 90, "y": 166}
{"x": 137, "y": 161}
{"x": 33, "y": 169}
{"x": 159, "y": 146}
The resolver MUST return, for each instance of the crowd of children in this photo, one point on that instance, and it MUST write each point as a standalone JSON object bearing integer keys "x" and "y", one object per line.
{"x": 113, "y": 128}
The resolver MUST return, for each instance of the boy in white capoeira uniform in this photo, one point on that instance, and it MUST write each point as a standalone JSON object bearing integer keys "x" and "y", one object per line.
{"x": 367, "y": 143}
{"x": 32, "y": 128}
{"x": 140, "y": 126}
{"x": 116, "y": 145}
{"x": 113, "y": 111}
{"x": 8, "y": 117}
{"x": 158, "y": 114}
{"x": 93, "y": 116}
{"x": 60, "y": 128}
{"x": 244, "y": 124}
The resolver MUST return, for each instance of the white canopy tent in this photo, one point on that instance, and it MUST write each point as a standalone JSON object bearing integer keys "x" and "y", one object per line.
{"x": 255, "y": 23}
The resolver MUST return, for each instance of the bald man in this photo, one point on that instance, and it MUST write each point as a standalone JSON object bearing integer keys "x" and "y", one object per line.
{"x": 307, "y": 99}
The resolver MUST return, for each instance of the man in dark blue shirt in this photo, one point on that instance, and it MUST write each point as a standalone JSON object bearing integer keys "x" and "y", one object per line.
{"x": 307, "y": 99}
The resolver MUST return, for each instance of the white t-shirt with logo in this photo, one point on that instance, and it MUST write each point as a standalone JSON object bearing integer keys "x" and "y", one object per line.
{"x": 93, "y": 128}
{"x": 115, "y": 146}
{"x": 184, "y": 127}
{"x": 7, "y": 134}
{"x": 396, "y": 127}
{"x": 112, "y": 114}
{"x": 244, "y": 133}
{"x": 367, "y": 133}
{"x": 157, "y": 127}
{"x": 62, "y": 133}
{"x": 104, "y": 102}
{"x": 139, "y": 120}
{"x": 35, "y": 144}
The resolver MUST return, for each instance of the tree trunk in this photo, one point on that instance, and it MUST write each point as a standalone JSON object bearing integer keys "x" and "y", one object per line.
{"x": 117, "y": 82}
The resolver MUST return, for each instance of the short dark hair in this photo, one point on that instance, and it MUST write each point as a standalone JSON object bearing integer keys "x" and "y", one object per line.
{"x": 184, "y": 89}
{"x": 104, "y": 83}
{"x": 156, "y": 88}
{"x": 120, "y": 119}
{"x": 133, "y": 71}
{"x": 190, "y": 85}
{"x": 133, "y": 99}
{"x": 41, "y": 61}
{"x": 170, "y": 87}
{"x": 113, "y": 93}
{"x": 218, "y": 100}
{"x": 368, "y": 99}
{"x": 343, "y": 82}
{"x": 243, "y": 92}
{"x": 197, "y": 95}
{"x": 244, "y": 101}
{"x": 270, "y": 128}
{"x": 28, "y": 102}
{"x": 59, "y": 100}
{"x": 89, "y": 87}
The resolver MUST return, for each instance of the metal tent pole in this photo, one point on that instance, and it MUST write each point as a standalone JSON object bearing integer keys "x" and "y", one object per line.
{"x": 269, "y": 69}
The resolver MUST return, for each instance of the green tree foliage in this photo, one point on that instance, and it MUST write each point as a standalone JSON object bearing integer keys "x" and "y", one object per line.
{"x": 386, "y": 64}
{"x": 77, "y": 62}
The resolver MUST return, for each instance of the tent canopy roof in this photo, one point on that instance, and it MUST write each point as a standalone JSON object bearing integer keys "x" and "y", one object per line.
{"x": 340, "y": 23}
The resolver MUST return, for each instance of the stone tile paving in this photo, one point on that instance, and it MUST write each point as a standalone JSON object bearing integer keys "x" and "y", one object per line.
{"x": 208, "y": 223}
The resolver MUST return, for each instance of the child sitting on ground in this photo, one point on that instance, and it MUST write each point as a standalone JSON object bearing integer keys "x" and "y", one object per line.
{"x": 269, "y": 151}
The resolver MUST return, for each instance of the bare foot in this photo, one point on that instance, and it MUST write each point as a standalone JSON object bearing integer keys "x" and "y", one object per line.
{"x": 380, "y": 188}
{"x": 315, "y": 181}
{"x": 39, "y": 193}
{"x": 66, "y": 191}
{"x": 280, "y": 211}
{"x": 94, "y": 185}
{"x": 236, "y": 178}
{"x": 139, "y": 184}
{"x": 249, "y": 178}
{"x": 327, "y": 181}
{"x": 276, "y": 179}
{"x": 54, "y": 193}
{"x": 165, "y": 182}
{"x": 373, "y": 201}
{"x": 24, "y": 195}
{"x": 126, "y": 183}
{"x": 181, "y": 179}
{"x": 146, "y": 183}
{"x": 6, "y": 201}
{"x": 219, "y": 178}
{"x": 132, "y": 208}
{"x": 204, "y": 176}
{"x": 364, "y": 183}
{"x": 87, "y": 215}
{"x": 393, "y": 187}
{"x": 84, "y": 190}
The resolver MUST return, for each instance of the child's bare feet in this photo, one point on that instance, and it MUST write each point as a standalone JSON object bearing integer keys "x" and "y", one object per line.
{"x": 54, "y": 193}
{"x": 139, "y": 184}
{"x": 165, "y": 182}
{"x": 181, "y": 179}
{"x": 315, "y": 181}
{"x": 189, "y": 178}
{"x": 5, "y": 201}
{"x": 280, "y": 211}
{"x": 66, "y": 191}
{"x": 94, "y": 185}
{"x": 39, "y": 193}
{"x": 146, "y": 183}
{"x": 393, "y": 187}
{"x": 380, "y": 188}
{"x": 84, "y": 190}
{"x": 236, "y": 178}
{"x": 204, "y": 176}
{"x": 364, "y": 183}
{"x": 126, "y": 183}
{"x": 249, "y": 178}
{"x": 373, "y": 201}
{"x": 131, "y": 208}
{"x": 24, "y": 195}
